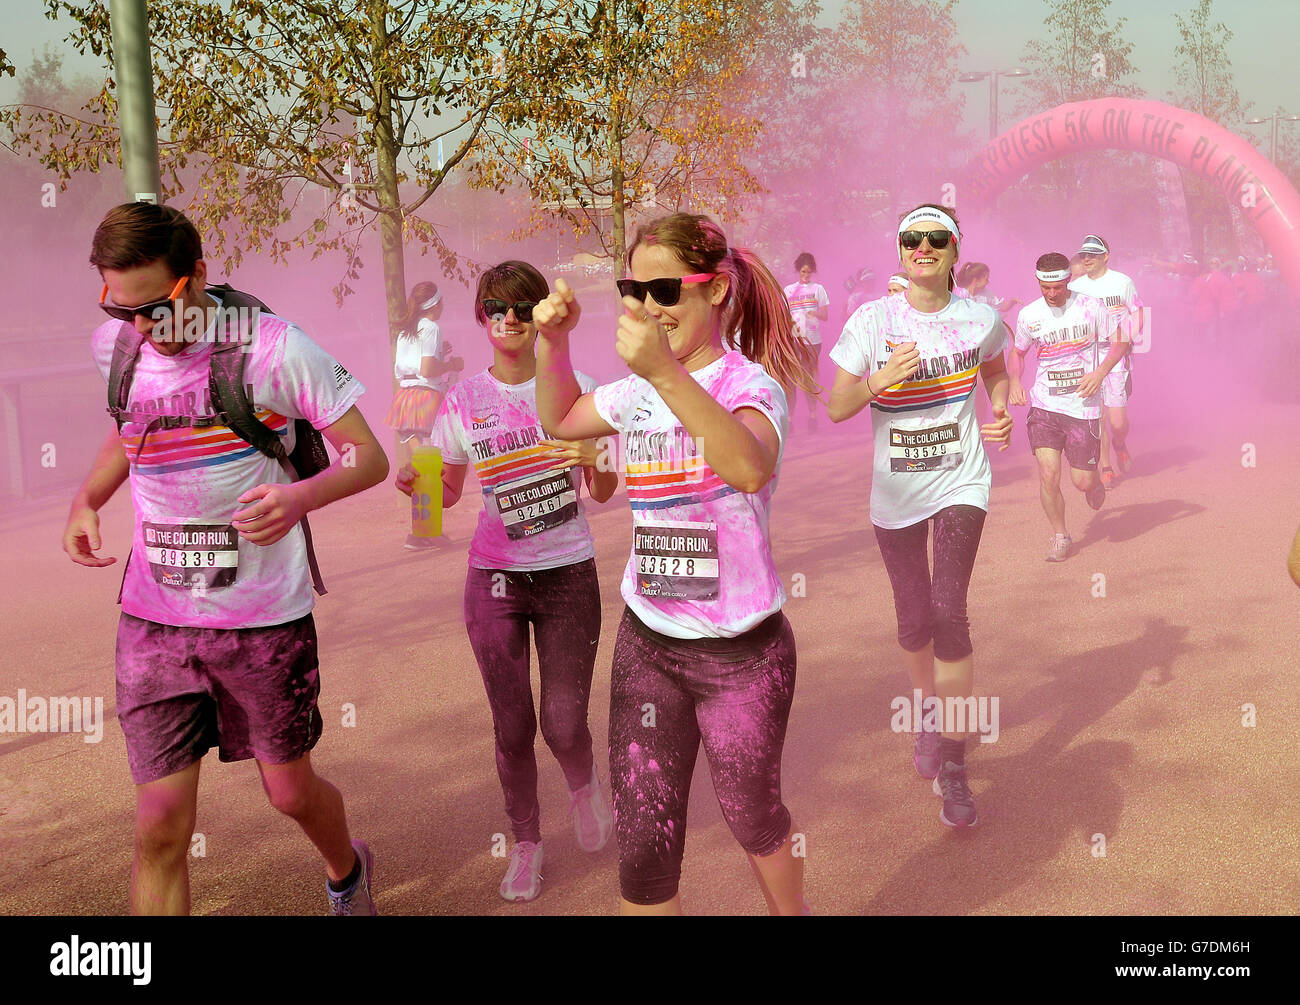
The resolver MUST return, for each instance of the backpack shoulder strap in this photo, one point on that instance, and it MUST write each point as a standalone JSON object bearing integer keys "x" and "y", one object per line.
{"x": 126, "y": 350}
{"x": 230, "y": 397}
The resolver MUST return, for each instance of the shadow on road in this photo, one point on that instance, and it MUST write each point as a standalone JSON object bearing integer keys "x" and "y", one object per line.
{"x": 1124, "y": 523}
{"x": 1041, "y": 799}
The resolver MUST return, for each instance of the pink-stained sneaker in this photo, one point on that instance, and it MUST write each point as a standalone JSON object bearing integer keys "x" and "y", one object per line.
{"x": 592, "y": 821}
{"x": 524, "y": 875}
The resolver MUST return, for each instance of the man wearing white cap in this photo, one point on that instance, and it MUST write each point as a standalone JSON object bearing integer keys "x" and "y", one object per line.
{"x": 1117, "y": 292}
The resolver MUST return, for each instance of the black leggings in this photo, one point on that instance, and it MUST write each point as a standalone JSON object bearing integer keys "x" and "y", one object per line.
{"x": 934, "y": 610}
{"x": 563, "y": 606}
{"x": 666, "y": 695}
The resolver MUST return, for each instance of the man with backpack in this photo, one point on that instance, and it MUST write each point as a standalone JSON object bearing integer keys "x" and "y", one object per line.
{"x": 218, "y": 404}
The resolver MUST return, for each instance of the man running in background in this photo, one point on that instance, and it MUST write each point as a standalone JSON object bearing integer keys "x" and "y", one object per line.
{"x": 1117, "y": 292}
{"x": 216, "y": 646}
{"x": 1066, "y": 330}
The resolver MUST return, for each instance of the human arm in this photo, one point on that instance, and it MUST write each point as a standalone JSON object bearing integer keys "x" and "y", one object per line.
{"x": 453, "y": 482}
{"x": 996, "y": 385}
{"x": 564, "y": 410}
{"x": 272, "y": 509}
{"x": 81, "y": 535}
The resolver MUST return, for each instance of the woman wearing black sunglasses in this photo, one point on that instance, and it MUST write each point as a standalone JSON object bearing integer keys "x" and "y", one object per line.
{"x": 704, "y": 652}
{"x": 531, "y": 562}
{"x": 914, "y": 359}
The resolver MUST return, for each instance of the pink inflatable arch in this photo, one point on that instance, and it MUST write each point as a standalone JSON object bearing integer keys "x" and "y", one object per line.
{"x": 1264, "y": 194}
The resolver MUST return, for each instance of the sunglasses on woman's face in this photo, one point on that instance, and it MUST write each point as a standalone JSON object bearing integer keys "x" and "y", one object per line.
{"x": 667, "y": 292}
{"x": 911, "y": 239}
{"x": 159, "y": 310}
{"x": 496, "y": 310}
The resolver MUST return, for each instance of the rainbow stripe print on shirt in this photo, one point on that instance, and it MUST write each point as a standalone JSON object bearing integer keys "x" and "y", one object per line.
{"x": 507, "y": 455}
{"x": 1047, "y": 353}
{"x": 664, "y": 469}
{"x": 189, "y": 447}
{"x": 947, "y": 388}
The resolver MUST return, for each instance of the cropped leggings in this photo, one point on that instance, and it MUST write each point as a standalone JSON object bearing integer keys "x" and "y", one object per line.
{"x": 563, "y": 607}
{"x": 668, "y": 694}
{"x": 934, "y": 608}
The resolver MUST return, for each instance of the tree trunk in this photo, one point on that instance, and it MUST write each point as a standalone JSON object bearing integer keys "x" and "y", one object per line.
{"x": 617, "y": 207}
{"x": 388, "y": 195}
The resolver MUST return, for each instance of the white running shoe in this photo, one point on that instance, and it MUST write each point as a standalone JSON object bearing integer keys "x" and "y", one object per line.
{"x": 592, "y": 821}
{"x": 524, "y": 875}
{"x": 1059, "y": 549}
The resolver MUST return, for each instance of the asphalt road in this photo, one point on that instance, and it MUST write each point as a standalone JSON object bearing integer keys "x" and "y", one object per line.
{"x": 1121, "y": 715}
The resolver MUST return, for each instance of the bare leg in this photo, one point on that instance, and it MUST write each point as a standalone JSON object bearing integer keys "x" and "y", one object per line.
{"x": 164, "y": 823}
{"x": 780, "y": 877}
{"x": 298, "y": 792}
{"x": 1049, "y": 487}
{"x": 668, "y": 907}
{"x": 954, "y": 680}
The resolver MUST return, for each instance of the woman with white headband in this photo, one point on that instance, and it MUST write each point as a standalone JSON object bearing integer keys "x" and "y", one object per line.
{"x": 421, "y": 368}
{"x": 914, "y": 358}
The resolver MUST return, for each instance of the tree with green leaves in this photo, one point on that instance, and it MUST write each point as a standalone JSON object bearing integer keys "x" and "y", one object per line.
{"x": 1202, "y": 68}
{"x": 262, "y": 103}
{"x": 1203, "y": 73}
{"x": 1083, "y": 57}
{"x": 656, "y": 127}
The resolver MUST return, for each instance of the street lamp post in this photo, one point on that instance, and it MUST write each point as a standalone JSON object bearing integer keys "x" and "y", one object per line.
{"x": 992, "y": 75}
{"x": 1272, "y": 146}
{"x": 135, "y": 104}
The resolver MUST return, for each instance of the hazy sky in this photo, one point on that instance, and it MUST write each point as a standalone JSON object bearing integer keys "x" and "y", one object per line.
{"x": 994, "y": 32}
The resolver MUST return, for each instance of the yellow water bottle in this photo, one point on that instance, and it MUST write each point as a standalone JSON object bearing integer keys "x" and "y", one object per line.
{"x": 426, "y": 492}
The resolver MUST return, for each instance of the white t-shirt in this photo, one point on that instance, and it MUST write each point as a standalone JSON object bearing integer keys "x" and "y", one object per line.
{"x": 1067, "y": 340}
{"x": 411, "y": 353}
{"x": 188, "y": 565}
{"x": 701, "y": 563}
{"x": 1117, "y": 292}
{"x": 928, "y": 452}
{"x": 532, "y": 516}
{"x": 806, "y": 299}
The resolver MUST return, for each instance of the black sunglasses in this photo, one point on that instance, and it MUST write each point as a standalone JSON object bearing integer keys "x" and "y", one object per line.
{"x": 159, "y": 310}
{"x": 911, "y": 239}
{"x": 667, "y": 292}
{"x": 496, "y": 310}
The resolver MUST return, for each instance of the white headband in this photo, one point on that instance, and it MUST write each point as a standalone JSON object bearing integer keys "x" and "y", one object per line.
{"x": 930, "y": 213}
{"x": 1052, "y": 277}
{"x": 432, "y": 301}
{"x": 900, "y": 280}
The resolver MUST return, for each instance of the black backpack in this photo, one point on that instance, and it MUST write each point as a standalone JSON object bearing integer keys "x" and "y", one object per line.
{"x": 230, "y": 397}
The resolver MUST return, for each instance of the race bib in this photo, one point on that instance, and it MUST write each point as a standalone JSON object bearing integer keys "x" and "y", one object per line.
{"x": 930, "y": 448}
{"x": 192, "y": 556}
{"x": 537, "y": 504}
{"x": 1064, "y": 381}
{"x": 676, "y": 561}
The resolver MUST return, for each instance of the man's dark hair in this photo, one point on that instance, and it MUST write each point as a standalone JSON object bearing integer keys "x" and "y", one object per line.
{"x": 1053, "y": 261}
{"x": 138, "y": 233}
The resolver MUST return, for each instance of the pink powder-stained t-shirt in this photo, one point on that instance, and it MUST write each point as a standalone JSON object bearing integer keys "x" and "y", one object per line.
{"x": 701, "y": 563}
{"x": 188, "y": 566}
{"x": 928, "y": 452}
{"x": 532, "y": 516}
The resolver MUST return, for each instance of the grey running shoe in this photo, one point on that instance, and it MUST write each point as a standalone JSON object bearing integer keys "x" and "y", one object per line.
{"x": 1096, "y": 495}
{"x": 592, "y": 821}
{"x": 958, "y": 806}
{"x": 359, "y": 899}
{"x": 925, "y": 755}
{"x": 1059, "y": 549}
